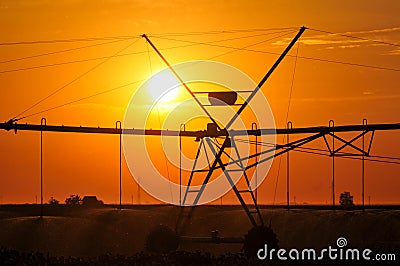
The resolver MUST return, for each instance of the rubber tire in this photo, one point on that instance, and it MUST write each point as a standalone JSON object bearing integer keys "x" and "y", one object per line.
{"x": 256, "y": 238}
{"x": 162, "y": 239}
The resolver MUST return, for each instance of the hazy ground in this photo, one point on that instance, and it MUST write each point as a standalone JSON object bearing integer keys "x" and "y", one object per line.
{"x": 90, "y": 232}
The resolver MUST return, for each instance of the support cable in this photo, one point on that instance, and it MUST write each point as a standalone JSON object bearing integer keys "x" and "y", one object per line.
{"x": 15, "y": 118}
{"x": 218, "y": 32}
{"x": 125, "y": 37}
{"x": 289, "y": 55}
{"x": 358, "y": 38}
{"x": 86, "y": 60}
{"x": 116, "y": 88}
{"x": 119, "y": 55}
{"x": 58, "y": 52}
{"x": 84, "y": 98}
{"x": 287, "y": 117}
{"x": 67, "y": 40}
{"x": 159, "y": 122}
{"x": 317, "y": 151}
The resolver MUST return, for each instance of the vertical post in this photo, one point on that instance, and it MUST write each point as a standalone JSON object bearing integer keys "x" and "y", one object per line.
{"x": 332, "y": 124}
{"x": 43, "y": 122}
{"x": 254, "y": 127}
{"x": 180, "y": 169}
{"x": 180, "y": 163}
{"x": 138, "y": 186}
{"x": 119, "y": 128}
{"x": 365, "y": 122}
{"x": 289, "y": 126}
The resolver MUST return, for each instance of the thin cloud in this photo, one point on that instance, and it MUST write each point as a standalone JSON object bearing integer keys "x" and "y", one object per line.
{"x": 333, "y": 41}
{"x": 372, "y": 31}
{"x": 394, "y": 52}
{"x": 325, "y": 40}
{"x": 349, "y": 46}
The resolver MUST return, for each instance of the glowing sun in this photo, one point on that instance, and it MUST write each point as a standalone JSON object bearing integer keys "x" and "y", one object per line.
{"x": 163, "y": 87}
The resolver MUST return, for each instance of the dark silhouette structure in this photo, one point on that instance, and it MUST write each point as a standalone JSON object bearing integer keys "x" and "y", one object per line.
{"x": 346, "y": 199}
{"x": 53, "y": 201}
{"x": 260, "y": 232}
{"x": 74, "y": 199}
{"x": 91, "y": 201}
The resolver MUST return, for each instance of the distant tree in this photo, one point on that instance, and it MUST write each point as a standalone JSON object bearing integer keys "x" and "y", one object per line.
{"x": 53, "y": 201}
{"x": 74, "y": 199}
{"x": 346, "y": 199}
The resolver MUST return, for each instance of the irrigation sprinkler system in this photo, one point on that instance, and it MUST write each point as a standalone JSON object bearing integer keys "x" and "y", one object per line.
{"x": 219, "y": 142}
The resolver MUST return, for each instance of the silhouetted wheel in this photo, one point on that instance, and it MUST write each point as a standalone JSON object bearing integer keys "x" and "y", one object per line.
{"x": 256, "y": 238}
{"x": 162, "y": 239}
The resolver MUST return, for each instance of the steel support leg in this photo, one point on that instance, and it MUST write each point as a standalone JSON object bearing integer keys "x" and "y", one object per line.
{"x": 43, "y": 122}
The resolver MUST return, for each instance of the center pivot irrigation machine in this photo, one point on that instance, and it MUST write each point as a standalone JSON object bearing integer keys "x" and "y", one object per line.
{"x": 219, "y": 142}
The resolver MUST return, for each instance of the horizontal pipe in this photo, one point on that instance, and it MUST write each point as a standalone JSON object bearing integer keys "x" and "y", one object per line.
{"x": 197, "y": 134}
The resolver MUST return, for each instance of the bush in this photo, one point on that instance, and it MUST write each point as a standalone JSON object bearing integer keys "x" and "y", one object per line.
{"x": 53, "y": 201}
{"x": 73, "y": 200}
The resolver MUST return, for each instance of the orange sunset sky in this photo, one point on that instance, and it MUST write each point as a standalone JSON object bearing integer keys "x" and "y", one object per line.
{"x": 89, "y": 165}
